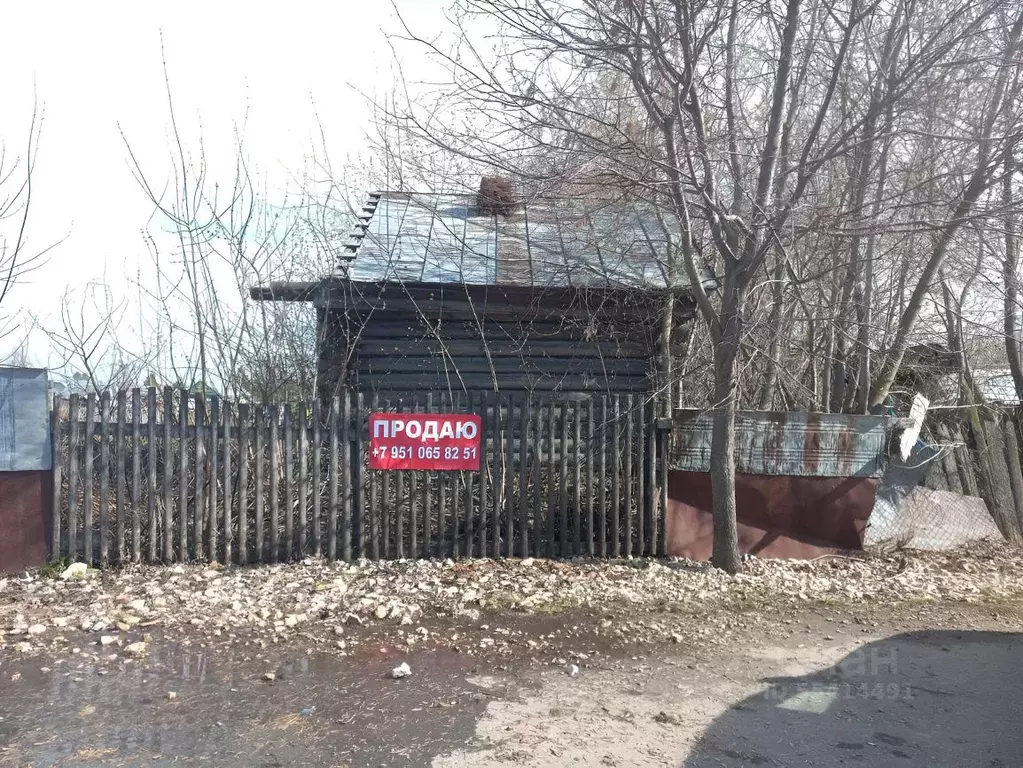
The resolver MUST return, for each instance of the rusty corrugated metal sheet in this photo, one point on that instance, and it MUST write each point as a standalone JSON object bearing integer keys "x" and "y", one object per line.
{"x": 787, "y": 443}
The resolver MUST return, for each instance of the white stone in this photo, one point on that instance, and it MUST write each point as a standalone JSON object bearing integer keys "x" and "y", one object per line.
{"x": 402, "y": 670}
{"x": 75, "y": 571}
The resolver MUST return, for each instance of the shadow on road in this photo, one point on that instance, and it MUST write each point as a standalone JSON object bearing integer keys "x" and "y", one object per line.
{"x": 932, "y": 698}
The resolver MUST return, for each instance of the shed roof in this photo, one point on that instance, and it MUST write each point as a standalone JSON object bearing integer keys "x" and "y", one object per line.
{"x": 442, "y": 238}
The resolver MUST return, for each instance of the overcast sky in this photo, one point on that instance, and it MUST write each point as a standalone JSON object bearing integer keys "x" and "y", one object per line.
{"x": 94, "y": 67}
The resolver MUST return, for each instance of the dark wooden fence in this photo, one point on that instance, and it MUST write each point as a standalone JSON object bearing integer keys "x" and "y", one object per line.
{"x": 162, "y": 476}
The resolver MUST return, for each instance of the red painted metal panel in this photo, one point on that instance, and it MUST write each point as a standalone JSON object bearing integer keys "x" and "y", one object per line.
{"x": 778, "y": 515}
{"x": 26, "y": 499}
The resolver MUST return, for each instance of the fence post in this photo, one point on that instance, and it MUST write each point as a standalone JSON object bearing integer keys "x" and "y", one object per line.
{"x": 168, "y": 474}
{"x": 243, "y": 483}
{"x": 591, "y": 446}
{"x": 136, "y": 475}
{"x": 104, "y": 480}
{"x": 214, "y": 517}
{"x": 228, "y": 503}
{"x": 616, "y": 532}
{"x": 427, "y": 497}
{"x": 522, "y": 507}
{"x": 374, "y": 510}
{"x": 602, "y": 476}
{"x": 303, "y": 477}
{"x": 399, "y": 510}
{"x": 317, "y": 461}
{"x": 259, "y": 422}
{"x": 275, "y": 520}
{"x": 55, "y": 461}
{"x": 551, "y": 479}
{"x": 335, "y": 426}
{"x": 577, "y": 515}
{"x": 627, "y": 474}
{"x": 183, "y": 475}
{"x": 90, "y": 438}
{"x": 199, "y": 510}
{"x": 289, "y": 484}
{"x": 151, "y": 470}
{"x": 563, "y": 482}
{"x": 72, "y": 518}
{"x": 537, "y": 452}
{"x": 356, "y": 454}
{"x": 346, "y": 477}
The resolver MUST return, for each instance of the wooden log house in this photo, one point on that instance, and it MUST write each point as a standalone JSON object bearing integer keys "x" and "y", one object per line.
{"x": 464, "y": 293}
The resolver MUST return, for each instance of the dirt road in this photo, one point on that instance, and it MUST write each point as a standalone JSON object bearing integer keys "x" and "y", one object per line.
{"x": 936, "y": 684}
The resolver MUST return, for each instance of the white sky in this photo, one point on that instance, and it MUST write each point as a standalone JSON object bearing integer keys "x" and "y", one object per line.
{"x": 94, "y": 66}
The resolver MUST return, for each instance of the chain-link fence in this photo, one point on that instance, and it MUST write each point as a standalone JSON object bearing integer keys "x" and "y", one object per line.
{"x": 962, "y": 482}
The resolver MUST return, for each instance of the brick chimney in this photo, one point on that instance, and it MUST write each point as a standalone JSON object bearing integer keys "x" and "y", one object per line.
{"x": 496, "y": 197}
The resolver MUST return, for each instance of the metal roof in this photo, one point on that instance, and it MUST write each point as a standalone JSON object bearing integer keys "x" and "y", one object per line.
{"x": 24, "y": 420}
{"x": 787, "y": 443}
{"x": 442, "y": 238}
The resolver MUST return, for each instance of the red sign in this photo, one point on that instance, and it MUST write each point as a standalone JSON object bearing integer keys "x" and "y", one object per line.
{"x": 424, "y": 441}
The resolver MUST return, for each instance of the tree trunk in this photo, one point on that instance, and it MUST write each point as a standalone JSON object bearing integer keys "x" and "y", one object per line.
{"x": 1011, "y": 278}
{"x": 722, "y": 451}
{"x": 774, "y": 328}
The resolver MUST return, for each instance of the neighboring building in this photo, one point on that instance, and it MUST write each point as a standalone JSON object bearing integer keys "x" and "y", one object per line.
{"x": 478, "y": 292}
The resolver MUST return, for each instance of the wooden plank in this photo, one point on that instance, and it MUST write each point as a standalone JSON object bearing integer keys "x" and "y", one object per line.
{"x": 72, "y": 502}
{"x": 589, "y": 382}
{"x": 303, "y": 478}
{"x": 662, "y": 463}
{"x": 577, "y": 479}
{"x": 55, "y": 465}
{"x": 456, "y": 500}
{"x": 651, "y": 490}
{"x": 627, "y": 475}
{"x": 334, "y": 472}
{"x": 289, "y": 483}
{"x": 120, "y": 456}
{"x": 183, "y": 398}
{"x": 346, "y": 477}
{"x": 374, "y": 509}
{"x": 244, "y": 425}
{"x": 466, "y": 479}
{"x": 104, "y": 483}
{"x": 1010, "y": 446}
{"x": 487, "y": 474}
{"x": 563, "y": 482}
{"x": 948, "y": 460}
{"x": 90, "y": 433}
{"x": 136, "y": 475}
{"x": 259, "y": 425}
{"x": 591, "y": 446}
{"x": 275, "y": 515}
{"x": 358, "y": 459}
{"x": 199, "y": 505}
{"x": 317, "y": 479}
{"x": 442, "y": 498}
{"x": 227, "y": 516}
{"x": 151, "y": 457}
{"x": 400, "y": 510}
{"x": 386, "y": 505}
{"x": 601, "y": 488}
{"x": 552, "y": 413}
{"x": 413, "y": 528}
{"x": 213, "y": 529}
{"x": 525, "y": 416}
{"x": 501, "y": 492}
{"x": 428, "y": 479}
{"x": 168, "y": 474}
{"x": 537, "y": 453}
{"x": 640, "y": 469}
{"x": 615, "y": 426}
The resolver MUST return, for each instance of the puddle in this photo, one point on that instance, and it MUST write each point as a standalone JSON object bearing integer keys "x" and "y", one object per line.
{"x": 320, "y": 710}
